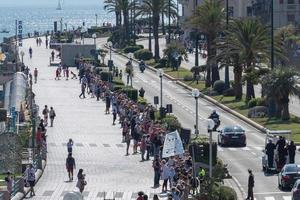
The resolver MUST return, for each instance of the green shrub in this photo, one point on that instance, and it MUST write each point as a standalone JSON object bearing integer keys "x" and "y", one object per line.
{"x": 118, "y": 82}
{"x": 229, "y": 92}
{"x": 143, "y": 54}
{"x": 188, "y": 78}
{"x": 202, "y": 153}
{"x": 98, "y": 70}
{"x": 118, "y": 87}
{"x": 163, "y": 62}
{"x": 158, "y": 66}
{"x": 106, "y": 76}
{"x": 261, "y": 102}
{"x": 252, "y": 103}
{"x": 171, "y": 123}
{"x": 219, "y": 86}
{"x": 142, "y": 101}
{"x": 132, "y": 49}
{"x": 131, "y": 93}
{"x": 227, "y": 193}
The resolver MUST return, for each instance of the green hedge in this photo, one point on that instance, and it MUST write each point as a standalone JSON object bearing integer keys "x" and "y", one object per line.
{"x": 171, "y": 123}
{"x": 143, "y": 54}
{"x": 227, "y": 193}
{"x": 131, "y": 93}
{"x": 132, "y": 49}
{"x": 106, "y": 76}
{"x": 219, "y": 86}
{"x": 142, "y": 101}
{"x": 197, "y": 149}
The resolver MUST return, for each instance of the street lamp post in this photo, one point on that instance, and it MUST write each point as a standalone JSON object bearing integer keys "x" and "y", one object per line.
{"x": 94, "y": 37}
{"x": 210, "y": 126}
{"x": 110, "y": 46}
{"x": 130, "y": 55}
{"x": 96, "y": 20}
{"x": 196, "y": 50}
{"x": 195, "y": 94}
{"x": 169, "y": 37}
{"x": 160, "y": 73}
{"x": 22, "y": 55}
{"x": 227, "y": 84}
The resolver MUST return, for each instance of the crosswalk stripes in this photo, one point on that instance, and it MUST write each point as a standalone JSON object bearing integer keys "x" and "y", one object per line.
{"x": 287, "y": 197}
{"x": 269, "y": 198}
{"x": 248, "y": 148}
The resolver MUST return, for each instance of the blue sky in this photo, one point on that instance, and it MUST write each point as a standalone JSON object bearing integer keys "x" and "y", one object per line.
{"x": 47, "y": 2}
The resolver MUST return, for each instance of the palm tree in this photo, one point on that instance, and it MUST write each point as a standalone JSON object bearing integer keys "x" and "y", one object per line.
{"x": 165, "y": 12}
{"x": 143, "y": 10}
{"x": 279, "y": 84}
{"x": 208, "y": 18}
{"x": 114, "y": 6}
{"x": 249, "y": 40}
{"x": 125, "y": 7}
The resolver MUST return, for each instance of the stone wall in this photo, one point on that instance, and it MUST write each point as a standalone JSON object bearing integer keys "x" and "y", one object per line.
{"x": 70, "y": 51}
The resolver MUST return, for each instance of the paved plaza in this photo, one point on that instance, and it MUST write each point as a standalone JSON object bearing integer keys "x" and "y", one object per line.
{"x": 97, "y": 150}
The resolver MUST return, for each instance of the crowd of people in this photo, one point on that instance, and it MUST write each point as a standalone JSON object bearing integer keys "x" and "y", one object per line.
{"x": 139, "y": 125}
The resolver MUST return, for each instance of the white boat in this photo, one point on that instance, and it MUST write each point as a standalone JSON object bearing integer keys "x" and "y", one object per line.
{"x": 59, "y": 6}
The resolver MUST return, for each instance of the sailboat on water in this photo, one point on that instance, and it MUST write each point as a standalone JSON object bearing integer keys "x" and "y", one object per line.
{"x": 59, "y": 6}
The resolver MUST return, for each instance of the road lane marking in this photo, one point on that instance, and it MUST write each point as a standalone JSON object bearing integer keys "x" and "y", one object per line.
{"x": 269, "y": 198}
{"x": 287, "y": 197}
{"x": 246, "y": 148}
{"x": 232, "y": 149}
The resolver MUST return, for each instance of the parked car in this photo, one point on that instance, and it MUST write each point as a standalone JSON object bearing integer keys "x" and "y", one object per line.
{"x": 288, "y": 175}
{"x": 232, "y": 135}
{"x": 296, "y": 190}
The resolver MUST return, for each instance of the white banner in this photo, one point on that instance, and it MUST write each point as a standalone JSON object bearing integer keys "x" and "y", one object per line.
{"x": 172, "y": 145}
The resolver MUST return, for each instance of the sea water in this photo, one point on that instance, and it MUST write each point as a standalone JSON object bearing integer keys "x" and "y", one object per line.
{"x": 41, "y": 19}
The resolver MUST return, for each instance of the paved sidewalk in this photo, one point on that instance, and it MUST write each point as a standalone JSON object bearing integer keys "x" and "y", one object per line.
{"x": 98, "y": 148}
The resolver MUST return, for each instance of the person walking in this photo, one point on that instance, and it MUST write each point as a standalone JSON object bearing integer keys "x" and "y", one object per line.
{"x": 107, "y": 102}
{"x": 45, "y": 114}
{"x": 9, "y": 182}
{"x": 30, "y": 178}
{"x": 127, "y": 140}
{"x": 30, "y": 52}
{"x": 156, "y": 168}
{"x": 35, "y": 74}
{"x": 81, "y": 183}
{"x": 114, "y": 112}
{"x": 83, "y": 86}
{"x": 52, "y": 115}
{"x": 291, "y": 151}
{"x": 57, "y": 74}
{"x": 67, "y": 73}
{"x": 52, "y": 56}
{"x": 70, "y": 145}
{"x": 270, "y": 148}
{"x": 143, "y": 147}
{"x": 250, "y": 185}
{"x": 70, "y": 166}
{"x": 47, "y": 42}
{"x": 142, "y": 92}
{"x": 165, "y": 172}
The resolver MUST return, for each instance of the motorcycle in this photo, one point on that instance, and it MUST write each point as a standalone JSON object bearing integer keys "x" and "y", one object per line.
{"x": 217, "y": 123}
{"x": 142, "y": 67}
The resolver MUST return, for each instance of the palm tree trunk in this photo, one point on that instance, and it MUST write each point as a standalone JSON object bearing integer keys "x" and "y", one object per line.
{"x": 208, "y": 66}
{"x": 150, "y": 37}
{"x": 163, "y": 23}
{"x": 279, "y": 107}
{"x": 155, "y": 34}
{"x": 249, "y": 91}
{"x": 285, "y": 109}
{"x": 215, "y": 71}
{"x": 238, "y": 87}
{"x": 126, "y": 25}
{"x": 117, "y": 18}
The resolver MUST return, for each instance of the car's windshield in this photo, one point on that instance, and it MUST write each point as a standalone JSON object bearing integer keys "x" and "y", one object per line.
{"x": 233, "y": 129}
{"x": 291, "y": 168}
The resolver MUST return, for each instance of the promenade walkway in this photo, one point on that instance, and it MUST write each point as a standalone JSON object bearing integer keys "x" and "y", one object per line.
{"x": 98, "y": 148}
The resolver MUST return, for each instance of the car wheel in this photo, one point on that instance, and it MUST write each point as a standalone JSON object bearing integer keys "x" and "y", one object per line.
{"x": 244, "y": 145}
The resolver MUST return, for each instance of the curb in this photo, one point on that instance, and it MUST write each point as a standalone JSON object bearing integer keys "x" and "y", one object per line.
{"x": 207, "y": 98}
{"x": 38, "y": 175}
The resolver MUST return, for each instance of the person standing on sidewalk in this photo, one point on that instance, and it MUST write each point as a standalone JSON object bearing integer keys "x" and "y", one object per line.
{"x": 81, "y": 183}
{"x": 70, "y": 145}
{"x": 70, "y": 166}
{"x": 114, "y": 112}
{"x": 52, "y": 115}
{"x": 127, "y": 140}
{"x": 9, "y": 182}
{"x": 30, "y": 178}
{"x": 52, "y": 55}
{"x": 83, "y": 86}
{"x": 250, "y": 185}
{"x": 67, "y": 73}
{"x": 30, "y": 52}
{"x": 291, "y": 151}
{"x": 156, "y": 167}
{"x": 45, "y": 114}
{"x": 143, "y": 147}
{"x": 35, "y": 74}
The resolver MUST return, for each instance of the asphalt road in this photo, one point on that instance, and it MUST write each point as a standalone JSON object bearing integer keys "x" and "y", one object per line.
{"x": 238, "y": 159}
{"x": 294, "y": 101}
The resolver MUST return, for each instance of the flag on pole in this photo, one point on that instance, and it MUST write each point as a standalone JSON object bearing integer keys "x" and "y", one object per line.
{"x": 172, "y": 145}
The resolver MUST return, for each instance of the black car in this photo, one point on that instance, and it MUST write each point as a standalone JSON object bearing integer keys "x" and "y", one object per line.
{"x": 289, "y": 174}
{"x": 232, "y": 135}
